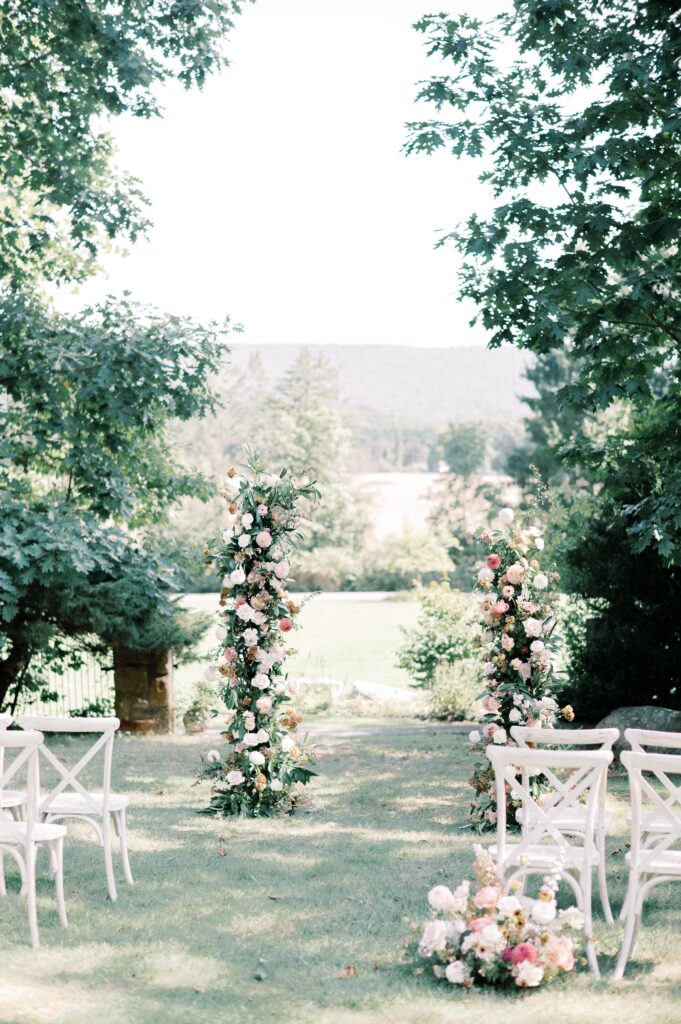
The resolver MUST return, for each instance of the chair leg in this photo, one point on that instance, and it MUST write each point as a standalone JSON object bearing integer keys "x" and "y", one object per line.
{"x": 58, "y": 848}
{"x": 629, "y": 940}
{"x": 3, "y": 887}
{"x": 31, "y": 899}
{"x": 588, "y": 924}
{"x": 603, "y": 882}
{"x": 108, "y": 857}
{"x": 121, "y": 828}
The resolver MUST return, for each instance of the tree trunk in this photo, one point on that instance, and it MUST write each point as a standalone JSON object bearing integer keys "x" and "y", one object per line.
{"x": 14, "y": 666}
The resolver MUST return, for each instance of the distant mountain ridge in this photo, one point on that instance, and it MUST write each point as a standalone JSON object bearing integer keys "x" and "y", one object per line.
{"x": 424, "y": 385}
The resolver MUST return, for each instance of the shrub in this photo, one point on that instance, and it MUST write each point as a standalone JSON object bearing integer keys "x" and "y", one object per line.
{"x": 441, "y": 637}
{"x": 452, "y": 696}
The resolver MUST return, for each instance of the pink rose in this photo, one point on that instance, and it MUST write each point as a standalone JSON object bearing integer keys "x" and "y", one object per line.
{"x": 478, "y": 923}
{"x": 508, "y": 592}
{"x": 285, "y": 624}
{"x": 489, "y": 730}
{"x": 264, "y": 539}
{"x": 281, "y": 570}
{"x": 515, "y": 573}
{"x": 500, "y": 607}
{"x": 229, "y": 654}
{"x": 523, "y": 951}
{"x": 507, "y": 642}
{"x": 264, "y": 704}
{"x": 486, "y": 898}
{"x": 490, "y": 703}
{"x": 493, "y": 561}
{"x": 558, "y": 953}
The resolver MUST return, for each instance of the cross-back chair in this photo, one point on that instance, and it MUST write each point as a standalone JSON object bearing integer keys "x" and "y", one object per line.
{"x": 12, "y": 800}
{"x": 70, "y": 799}
{"x": 21, "y": 839}
{"x": 655, "y": 853}
{"x": 574, "y": 819}
{"x": 576, "y": 780}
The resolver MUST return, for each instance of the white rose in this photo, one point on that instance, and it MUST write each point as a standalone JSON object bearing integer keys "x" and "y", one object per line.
{"x": 235, "y": 778}
{"x": 474, "y": 736}
{"x": 541, "y": 581}
{"x": 485, "y": 575}
{"x": 247, "y": 520}
{"x": 533, "y": 627}
{"x": 250, "y": 637}
{"x": 536, "y": 646}
{"x": 210, "y": 674}
{"x": 261, "y": 681}
{"x": 287, "y": 743}
{"x": 499, "y": 736}
{"x": 456, "y": 972}
{"x": 434, "y": 938}
{"x": 213, "y": 755}
{"x": 508, "y": 905}
{"x": 539, "y": 543}
{"x": 237, "y": 577}
{"x": 244, "y": 540}
{"x": 507, "y": 515}
{"x": 572, "y": 917}
{"x": 543, "y": 911}
{"x": 227, "y": 534}
{"x": 276, "y": 785}
{"x": 514, "y": 715}
{"x": 251, "y": 739}
{"x": 263, "y": 736}
{"x": 528, "y": 975}
{"x": 440, "y": 897}
{"x": 255, "y": 757}
{"x": 220, "y": 632}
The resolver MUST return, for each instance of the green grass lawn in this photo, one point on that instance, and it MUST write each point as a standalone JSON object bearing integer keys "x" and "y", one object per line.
{"x": 239, "y": 921}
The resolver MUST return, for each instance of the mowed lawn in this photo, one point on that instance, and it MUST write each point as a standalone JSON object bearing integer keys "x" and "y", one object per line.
{"x": 297, "y": 919}
{"x": 343, "y": 636}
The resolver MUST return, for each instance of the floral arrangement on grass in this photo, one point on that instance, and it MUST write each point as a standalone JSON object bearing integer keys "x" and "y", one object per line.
{"x": 264, "y": 759}
{"x": 486, "y": 937}
{"x": 518, "y": 617}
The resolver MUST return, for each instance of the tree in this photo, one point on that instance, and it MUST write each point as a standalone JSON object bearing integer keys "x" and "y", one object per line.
{"x": 67, "y": 68}
{"x": 581, "y": 133}
{"x": 575, "y": 105}
{"x": 85, "y": 474}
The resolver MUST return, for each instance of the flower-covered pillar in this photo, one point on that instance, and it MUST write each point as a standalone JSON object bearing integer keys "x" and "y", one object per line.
{"x": 263, "y": 759}
{"x": 518, "y": 617}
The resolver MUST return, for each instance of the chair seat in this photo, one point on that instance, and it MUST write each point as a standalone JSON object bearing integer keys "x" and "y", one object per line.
{"x": 668, "y": 862}
{"x": 572, "y": 820}
{"x": 42, "y": 833}
{"x": 67, "y": 804}
{"x": 657, "y": 822}
{"x": 545, "y": 857}
{"x": 12, "y": 798}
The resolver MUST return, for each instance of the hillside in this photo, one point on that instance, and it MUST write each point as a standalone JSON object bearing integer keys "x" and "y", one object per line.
{"x": 429, "y": 386}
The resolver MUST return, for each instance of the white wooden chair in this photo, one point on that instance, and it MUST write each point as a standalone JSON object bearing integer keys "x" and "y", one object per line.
{"x": 12, "y": 800}
{"x": 574, "y": 820}
{"x": 655, "y": 853}
{"x": 69, "y": 799}
{"x": 22, "y": 839}
{"x": 576, "y": 778}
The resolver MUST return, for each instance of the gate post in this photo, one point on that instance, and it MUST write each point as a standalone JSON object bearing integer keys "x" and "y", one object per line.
{"x": 145, "y": 690}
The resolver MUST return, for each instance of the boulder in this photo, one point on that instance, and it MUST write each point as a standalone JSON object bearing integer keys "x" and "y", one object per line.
{"x": 647, "y": 717}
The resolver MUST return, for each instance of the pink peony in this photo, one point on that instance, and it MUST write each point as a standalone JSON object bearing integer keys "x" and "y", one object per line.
{"x": 486, "y": 898}
{"x": 507, "y": 642}
{"x": 285, "y": 624}
{"x": 281, "y": 570}
{"x": 500, "y": 607}
{"x": 478, "y": 923}
{"x": 493, "y": 561}
{"x": 515, "y": 573}
{"x": 523, "y": 951}
{"x": 264, "y": 539}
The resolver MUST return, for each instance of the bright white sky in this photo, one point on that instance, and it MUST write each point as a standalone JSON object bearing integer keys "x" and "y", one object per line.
{"x": 280, "y": 195}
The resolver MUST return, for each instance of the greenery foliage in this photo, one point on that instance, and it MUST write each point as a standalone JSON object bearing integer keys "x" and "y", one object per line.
{"x": 441, "y": 637}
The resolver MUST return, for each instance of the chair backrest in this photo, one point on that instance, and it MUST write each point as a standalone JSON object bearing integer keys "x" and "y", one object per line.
{"x": 25, "y": 747}
{"x": 640, "y": 739}
{"x": 68, "y": 777}
{"x": 600, "y": 739}
{"x": 576, "y": 781}
{"x": 655, "y": 801}
{"x": 5, "y": 719}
